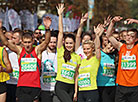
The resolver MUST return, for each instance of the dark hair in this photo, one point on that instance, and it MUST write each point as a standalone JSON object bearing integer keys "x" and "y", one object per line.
{"x": 18, "y": 31}
{"x": 67, "y": 54}
{"x": 27, "y": 35}
{"x": 87, "y": 33}
{"x": 54, "y": 33}
{"x": 134, "y": 30}
{"x": 101, "y": 39}
{"x": 3, "y": 28}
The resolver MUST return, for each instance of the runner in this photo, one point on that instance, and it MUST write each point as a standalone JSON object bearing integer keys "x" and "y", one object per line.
{"x": 68, "y": 62}
{"x": 127, "y": 89}
{"x": 29, "y": 57}
{"x": 5, "y": 68}
{"x": 49, "y": 70}
{"x": 12, "y": 83}
{"x": 86, "y": 78}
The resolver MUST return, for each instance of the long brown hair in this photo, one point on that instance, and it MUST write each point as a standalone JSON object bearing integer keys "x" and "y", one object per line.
{"x": 67, "y": 54}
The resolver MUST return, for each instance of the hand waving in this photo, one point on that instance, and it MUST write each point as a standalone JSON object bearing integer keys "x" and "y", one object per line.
{"x": 84, "y": 17}
{"x": 107, "y": 21}
{"x": 117, "y": 19}
{"x": 60, "y": 8}
{"x": 99, "y": 29}
{"x": 130, "y": 21}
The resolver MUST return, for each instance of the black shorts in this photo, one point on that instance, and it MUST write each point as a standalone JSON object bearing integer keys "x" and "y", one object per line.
{"x": 126, "y": 94}
{"x": 88, "y": 96}
{"x": 3, "y": 87}
{"x": 27, "y": 94}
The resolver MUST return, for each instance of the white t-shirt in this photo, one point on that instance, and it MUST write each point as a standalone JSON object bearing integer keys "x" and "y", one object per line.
{"x": 49, "y": 70}
{"x": 81, "y": 53}
{"x": 15, "y": 66}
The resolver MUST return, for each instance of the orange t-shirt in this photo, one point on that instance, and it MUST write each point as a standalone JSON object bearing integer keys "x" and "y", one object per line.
{"x": 127, "y": 74}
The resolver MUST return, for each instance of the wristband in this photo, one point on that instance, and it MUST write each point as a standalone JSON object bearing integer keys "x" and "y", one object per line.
{"x": 47, "y": 30}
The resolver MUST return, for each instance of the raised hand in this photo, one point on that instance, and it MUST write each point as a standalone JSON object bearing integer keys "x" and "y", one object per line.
{"x": 107, "y": 21}
{"x": 84, "y": 18}
{"x": 60, "y": 8}
{"x": 99, "y": 29}
{"x": 47, "y": 22}
{"x": 130, "y": 21}
{"x": 117, "y": 19}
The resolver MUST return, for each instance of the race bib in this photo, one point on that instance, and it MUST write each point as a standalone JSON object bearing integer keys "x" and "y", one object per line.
{"x": 15, "y": 73}
{"x": 128, "y": 62}
{"x": 28, "y": 64}
{"x": 68, "y": 71}
{"x": 49, "y": 77}
{"x": 84, "y": 80}
{"x": 108, "y": 69}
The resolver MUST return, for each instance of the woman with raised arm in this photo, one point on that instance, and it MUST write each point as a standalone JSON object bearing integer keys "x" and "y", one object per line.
{"x": 106, "y": 73}
{"x": 86, "y": 78}
{"x": 68, "y": 62}
{"x": 79, "y": 39}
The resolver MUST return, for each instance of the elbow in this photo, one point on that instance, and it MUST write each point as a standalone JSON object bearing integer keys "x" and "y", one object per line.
{"x": 9, "y": 70}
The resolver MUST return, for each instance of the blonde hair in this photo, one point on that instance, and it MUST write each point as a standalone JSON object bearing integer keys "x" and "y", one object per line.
{"x": 90, "y": 42}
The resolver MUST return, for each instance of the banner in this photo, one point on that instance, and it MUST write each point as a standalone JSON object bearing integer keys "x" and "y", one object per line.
{"x": 90, "y": 9}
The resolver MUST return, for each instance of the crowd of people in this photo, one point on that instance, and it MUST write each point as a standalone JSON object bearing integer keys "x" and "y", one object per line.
{"x": 57, "y": 66}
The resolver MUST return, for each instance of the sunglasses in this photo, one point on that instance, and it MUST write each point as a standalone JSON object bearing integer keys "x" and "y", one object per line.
{"x": 38, "y": 33}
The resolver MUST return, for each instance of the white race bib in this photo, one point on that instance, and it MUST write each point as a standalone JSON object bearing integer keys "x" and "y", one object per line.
{"x": 128, "y": 62}
{"x": 28, "y": 64}
{"x": 84, "y": 80}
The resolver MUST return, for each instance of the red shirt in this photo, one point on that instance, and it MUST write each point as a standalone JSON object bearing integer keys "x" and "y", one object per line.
{"x": 29, "y": 71}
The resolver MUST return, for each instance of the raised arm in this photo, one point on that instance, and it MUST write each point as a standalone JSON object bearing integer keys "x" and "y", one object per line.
{"x": 47, "y": 23}
{"x": 78, "y": 36}
{"x": 115, "y": 43}
{"x": 130, "y": 21}
{"x": 7, "y": 63}
{"x": 11, "y": 46}
{"x": 60, "y": 9}
{"x": 98, "y": 32}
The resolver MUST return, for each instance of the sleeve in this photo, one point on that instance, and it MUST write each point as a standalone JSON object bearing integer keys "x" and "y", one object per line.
{"x": 78, "y": 59}
{"x": 60, "y": 52}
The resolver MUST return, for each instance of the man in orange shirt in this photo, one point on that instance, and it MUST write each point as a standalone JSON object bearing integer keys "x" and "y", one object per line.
{"x": 127, "y": 74}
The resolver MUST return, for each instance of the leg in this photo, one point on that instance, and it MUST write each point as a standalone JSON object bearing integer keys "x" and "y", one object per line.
{"x": 11, "y": 93}
{"x": 100, "y": 90}
{"x": 92, "y": 96}
{"x": 81, "y": 96}
{"x": 120, "y": 95}
{"x": 133, "y": 94}
{"x": 61, "y": 92}
{"x": 3, "y": 97}
{"x": 3, "y": 89}
{"x": 55, "y": 98}
{"x": 46, "y": 96}
{"x": 108, "y": 94}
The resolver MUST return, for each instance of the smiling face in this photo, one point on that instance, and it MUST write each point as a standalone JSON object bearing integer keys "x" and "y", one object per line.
{"x": 52, "y": 44}
{"x": 69, "y": 44}
{"x": 88, "y": 50}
